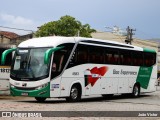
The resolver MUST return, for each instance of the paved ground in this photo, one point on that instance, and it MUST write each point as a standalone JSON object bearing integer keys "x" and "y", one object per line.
{"x": 147, "y": 102}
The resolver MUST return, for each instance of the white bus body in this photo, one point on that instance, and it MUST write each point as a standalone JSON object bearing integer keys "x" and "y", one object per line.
{"x": 83, "y": 67}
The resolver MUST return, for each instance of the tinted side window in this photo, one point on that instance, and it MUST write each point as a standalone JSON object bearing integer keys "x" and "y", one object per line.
{"x": 60, "y": 59}
{"x": 87, "y": 54}
{"x": 104, "y": 55}
{"x": 82, "y": 54}
{"x": 111, "y": 56}
{"x": 137, "y": 58}
{"x": 125, "y": 57}
{"x": 149, "y": 59}
{"x": 96, "y": 54}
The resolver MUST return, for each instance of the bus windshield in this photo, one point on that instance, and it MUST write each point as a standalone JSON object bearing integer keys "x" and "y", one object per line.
{"x": 29, "y": 64}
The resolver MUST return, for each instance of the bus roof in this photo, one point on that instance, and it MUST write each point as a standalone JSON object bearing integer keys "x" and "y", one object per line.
{"x": 46, "y": 41}
{"x": 54, "y": 41}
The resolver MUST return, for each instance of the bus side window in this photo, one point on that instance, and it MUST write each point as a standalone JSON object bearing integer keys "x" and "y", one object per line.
{"x": 116, "y": 58}
{"x": 82, "y": 57}
{"x": 106, "y": 58}
{"x": 153, "y": 59}
{"x": 61, "y": 63}
{"x": 58, "y": 63}
{"x": 126, "y": 58}
{"x": 112, "y": 59}
{"x": 137, "y": 58}
{"x": 60, "y": 59}
{"x": 82, "y": 54}
{"x": 140, "y": 61}
{"x": 96, "y": 54}
{"x": 111, "y": 56}
{"x": 149, "y": 59}
{"x": 121, "y": 60}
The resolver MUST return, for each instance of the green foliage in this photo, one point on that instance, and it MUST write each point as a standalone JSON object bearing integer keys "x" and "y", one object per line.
{"x": 66, "y": 26}
{"x": 86, "y": 30}
{"x": 46, "y": 29}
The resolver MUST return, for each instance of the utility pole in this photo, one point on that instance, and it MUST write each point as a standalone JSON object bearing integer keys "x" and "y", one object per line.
{"x": 130, "y": 33}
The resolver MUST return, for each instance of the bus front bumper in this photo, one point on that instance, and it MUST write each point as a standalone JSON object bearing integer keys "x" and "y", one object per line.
{"x": 43, "y": 92}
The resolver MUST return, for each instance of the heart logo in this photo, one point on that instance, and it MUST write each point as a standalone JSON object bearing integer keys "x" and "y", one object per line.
{"x": 91, "y": 76}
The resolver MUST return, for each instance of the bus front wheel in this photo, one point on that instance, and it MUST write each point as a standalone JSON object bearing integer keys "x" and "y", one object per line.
{"x": 40, "y": 99}
{"x": 136, "y": 90}
{"x": 75, "y": 94}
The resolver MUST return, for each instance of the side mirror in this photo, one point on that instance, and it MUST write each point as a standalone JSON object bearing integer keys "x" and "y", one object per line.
{"x": 49, "y": 52}
{"x": 5, "y": 53}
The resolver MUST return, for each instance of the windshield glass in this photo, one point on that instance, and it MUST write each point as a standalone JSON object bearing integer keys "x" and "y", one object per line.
{"x": 29, "y": 64}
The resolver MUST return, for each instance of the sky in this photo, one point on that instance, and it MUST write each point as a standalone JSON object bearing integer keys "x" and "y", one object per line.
{"x": 142, "y": 15}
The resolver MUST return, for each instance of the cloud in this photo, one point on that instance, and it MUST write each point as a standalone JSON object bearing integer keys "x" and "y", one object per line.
{"x": 19, "y": 22}
{"x": 15, "y": 20}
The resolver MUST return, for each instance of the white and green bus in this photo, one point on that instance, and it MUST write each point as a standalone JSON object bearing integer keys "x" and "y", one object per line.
{"x": 72, "y": 67}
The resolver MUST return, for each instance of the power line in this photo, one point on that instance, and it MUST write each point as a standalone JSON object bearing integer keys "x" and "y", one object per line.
{"x": 16, "y": 28}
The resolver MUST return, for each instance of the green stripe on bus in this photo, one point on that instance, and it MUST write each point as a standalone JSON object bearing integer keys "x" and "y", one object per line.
{"x": 144, "y": 76}
{"x": 5, "y": 53}
{"x": 149, "y": 50}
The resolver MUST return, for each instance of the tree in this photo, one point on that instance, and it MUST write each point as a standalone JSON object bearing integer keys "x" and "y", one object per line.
{"x": 66, "y": 26}
{"x": 86, "y": 31}
{"x": 46, "y": 29}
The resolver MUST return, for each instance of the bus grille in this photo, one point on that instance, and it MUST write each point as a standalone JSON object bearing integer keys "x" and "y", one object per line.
{"x": 20, "y": 88}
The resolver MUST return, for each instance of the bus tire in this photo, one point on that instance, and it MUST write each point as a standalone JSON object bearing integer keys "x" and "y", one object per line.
{"x": 75, "y": 94}
{"x": 136, "y": 91}
{"x": 40, "y": 99}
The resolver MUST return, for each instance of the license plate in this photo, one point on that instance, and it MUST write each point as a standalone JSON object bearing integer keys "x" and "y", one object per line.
{"x": 24, "y": 94}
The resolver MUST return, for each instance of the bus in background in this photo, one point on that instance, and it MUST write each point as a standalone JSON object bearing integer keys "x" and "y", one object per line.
{"x": 72, "y": 67}
{"x": 5, "y": 70}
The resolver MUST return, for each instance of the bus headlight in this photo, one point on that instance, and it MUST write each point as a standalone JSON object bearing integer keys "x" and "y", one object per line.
{"x": 12, "y": 86}
{"x": 42, "y": 86}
